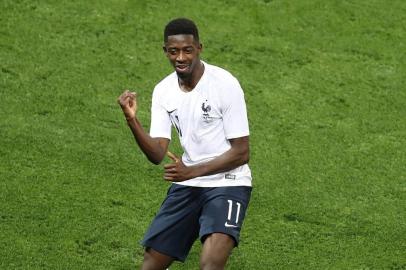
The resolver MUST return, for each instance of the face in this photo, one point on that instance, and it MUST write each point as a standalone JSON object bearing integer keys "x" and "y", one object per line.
{"x": 183, "y": 53}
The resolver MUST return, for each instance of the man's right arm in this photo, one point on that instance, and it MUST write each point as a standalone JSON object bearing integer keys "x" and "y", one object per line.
{"x": 154, "y": 148}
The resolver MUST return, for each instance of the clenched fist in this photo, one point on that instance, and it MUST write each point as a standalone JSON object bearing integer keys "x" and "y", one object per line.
{"x": 128, "y": 104}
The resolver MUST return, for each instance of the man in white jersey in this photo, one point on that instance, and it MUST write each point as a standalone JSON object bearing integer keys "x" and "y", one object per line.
{"x": 211, "y": 182}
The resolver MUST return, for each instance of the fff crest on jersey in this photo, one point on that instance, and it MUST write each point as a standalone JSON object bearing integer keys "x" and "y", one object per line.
{"x": 206, "y": 108}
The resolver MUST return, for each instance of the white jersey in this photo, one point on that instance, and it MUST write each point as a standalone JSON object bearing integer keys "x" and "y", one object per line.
{"x": 205, "y": 119}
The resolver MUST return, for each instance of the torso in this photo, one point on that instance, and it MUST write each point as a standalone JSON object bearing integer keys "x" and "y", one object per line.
{"x": 197, "y": 116}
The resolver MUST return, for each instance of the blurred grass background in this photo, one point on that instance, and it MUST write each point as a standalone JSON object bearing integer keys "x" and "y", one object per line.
{"x": 325, "y": 88}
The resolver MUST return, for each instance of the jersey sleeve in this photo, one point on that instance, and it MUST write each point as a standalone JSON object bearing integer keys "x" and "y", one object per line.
{"x": 160, "y": 121}
{"x": 235, "y": 112}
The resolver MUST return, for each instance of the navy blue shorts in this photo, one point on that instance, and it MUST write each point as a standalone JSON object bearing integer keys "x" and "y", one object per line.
{"x": 191, "y": 212}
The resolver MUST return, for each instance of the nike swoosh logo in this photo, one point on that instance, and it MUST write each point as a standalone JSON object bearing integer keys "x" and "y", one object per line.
{"x": 171, "y": 111}
{"x": 230, "y": 225}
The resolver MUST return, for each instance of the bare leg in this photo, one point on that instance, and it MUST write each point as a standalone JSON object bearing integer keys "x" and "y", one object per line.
{"x": 153, "y": 260}
{"x": 216, "y": 250}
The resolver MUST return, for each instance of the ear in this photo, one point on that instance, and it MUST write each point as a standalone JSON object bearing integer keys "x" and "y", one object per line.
{"x": 164, "y": 48}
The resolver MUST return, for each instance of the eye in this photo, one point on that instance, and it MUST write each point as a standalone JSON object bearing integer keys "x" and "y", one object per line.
{"x": 189, "y": 50}
{"x": 173, "y": 51}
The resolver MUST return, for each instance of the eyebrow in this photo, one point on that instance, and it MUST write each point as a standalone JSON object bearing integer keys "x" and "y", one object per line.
{"x": 182, "y": 48}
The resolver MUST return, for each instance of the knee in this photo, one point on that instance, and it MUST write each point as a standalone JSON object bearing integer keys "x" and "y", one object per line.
{"x": 149, "y": 262}
{"x": 148, "y": 258}
{"x": 154, "y": 260}
{"x": 211, "y": 264}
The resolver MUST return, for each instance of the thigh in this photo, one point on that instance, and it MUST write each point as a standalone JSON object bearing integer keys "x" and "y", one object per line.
{"x": 176, "y": 226}
{"x": 223, "y": 212}
{"x": 215, "y": 252}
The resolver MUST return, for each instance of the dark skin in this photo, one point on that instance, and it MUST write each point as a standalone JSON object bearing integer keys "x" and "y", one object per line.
{"x": 183, "y": 52}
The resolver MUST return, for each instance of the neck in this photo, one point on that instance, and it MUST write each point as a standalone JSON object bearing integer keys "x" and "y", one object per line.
{"x": 189, "y": 83}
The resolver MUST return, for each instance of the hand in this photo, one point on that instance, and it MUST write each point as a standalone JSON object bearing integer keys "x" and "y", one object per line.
{"x": 176, "y": 171}
{"x": 128, "y": 104}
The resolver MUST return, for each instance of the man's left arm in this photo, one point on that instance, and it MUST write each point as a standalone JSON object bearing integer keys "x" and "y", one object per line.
{"x": 236, "y": 156}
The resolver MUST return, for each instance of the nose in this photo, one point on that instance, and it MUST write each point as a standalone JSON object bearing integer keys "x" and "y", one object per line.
{"x": 180, "y": 57}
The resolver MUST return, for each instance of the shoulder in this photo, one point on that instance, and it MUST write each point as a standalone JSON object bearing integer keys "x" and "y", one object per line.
{"x": 165, "y": 84}
{"x": 223, "y": 82}
{"x": 221, "y": 76}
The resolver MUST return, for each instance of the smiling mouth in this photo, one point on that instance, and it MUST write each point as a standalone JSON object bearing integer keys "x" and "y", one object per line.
{"x": 181, "y": 68}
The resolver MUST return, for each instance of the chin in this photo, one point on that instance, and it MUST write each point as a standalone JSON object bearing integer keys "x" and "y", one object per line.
{"x": 183, "y": 75}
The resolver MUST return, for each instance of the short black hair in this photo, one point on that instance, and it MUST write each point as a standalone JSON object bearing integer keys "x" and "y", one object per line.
{"x": 181, "y": 26}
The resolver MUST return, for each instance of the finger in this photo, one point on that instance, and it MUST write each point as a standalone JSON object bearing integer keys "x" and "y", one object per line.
{"x": 132, "y": 94}
{"x": 169, "y": 177}
{"x": 129, "y": 95}
{"x": 124, "y": 100}
{"x": 170, "y": 171}
{"x": 132, "y": 99}
{"x": 172, "y": 156}
{"x": 123, "y": 95}
{"x": 169, "y": 166}
{"x": 120, "y": 97}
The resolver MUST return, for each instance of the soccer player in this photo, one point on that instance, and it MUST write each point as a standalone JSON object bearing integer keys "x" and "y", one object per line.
{"x": 211, "y": 182}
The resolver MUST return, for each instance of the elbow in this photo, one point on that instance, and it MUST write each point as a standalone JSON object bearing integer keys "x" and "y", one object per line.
{"x": 156, "y": 160}
{"x": 241, "y": 150}
{"x": 246, "y": 158}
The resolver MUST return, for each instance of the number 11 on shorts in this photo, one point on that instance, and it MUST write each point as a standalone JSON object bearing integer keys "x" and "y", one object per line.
{"x": 230, "y": 214}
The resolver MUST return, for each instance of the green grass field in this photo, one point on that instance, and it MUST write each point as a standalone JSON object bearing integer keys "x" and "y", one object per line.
{"x": 325, "y": 87}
